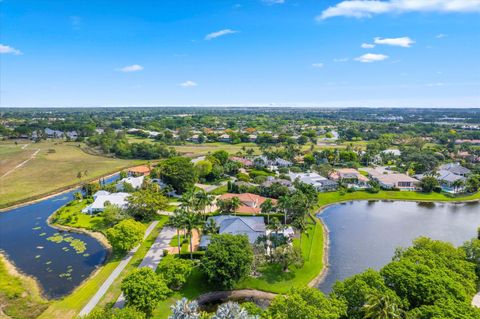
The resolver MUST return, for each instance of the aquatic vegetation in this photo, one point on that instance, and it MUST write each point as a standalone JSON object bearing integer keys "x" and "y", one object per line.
{"x": 42, "y": 234}
{"x": 37, "y": 256}
{"x": 78, "y": 245}
{"x": 36, "y": 228}
{"x": 48, "y": 262}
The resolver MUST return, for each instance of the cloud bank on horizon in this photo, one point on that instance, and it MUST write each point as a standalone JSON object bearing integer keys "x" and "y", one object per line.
{"x": 369, "y": 8}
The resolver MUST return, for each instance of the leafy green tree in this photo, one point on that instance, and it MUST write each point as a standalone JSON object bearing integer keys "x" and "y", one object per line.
{"x": 472, "y": 250}
{"x": 112, "y": 214}
{"x": 227, "y": 260}
{"x": 178, "y": 172}
{"x": 429, "y": 183}
{"x": 381, "y": 307}
{"x": 231, "y": 310}
{"x": 221, "y": 156}
{"x": 175, "y": 271}
{"x": 126, "y": 234}
{"x": 144, "y": 289}
{"x": 144, "y": 204}
{"x": 356, "y": 290}
{"x": 116, "y": 313}
{"x": 77, "y": 196}
{"x": 306, "y": 303}
{"x": 430, "y": 270}
{"x": 445, "y": 309}
{"x": 473, "y": 183}
{"x": 203, "y": 168}
{"x": 287, "y": 255}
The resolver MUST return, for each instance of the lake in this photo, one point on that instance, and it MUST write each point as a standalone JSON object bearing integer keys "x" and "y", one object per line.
{"x": 365, "y": 234}
{"x": 57, "y": 267}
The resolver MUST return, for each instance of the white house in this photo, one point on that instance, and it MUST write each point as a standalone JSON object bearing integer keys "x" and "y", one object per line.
{"x": 135, "y": 182}
{"x": 103, "y": 199}
{"x": 318, "y": 181}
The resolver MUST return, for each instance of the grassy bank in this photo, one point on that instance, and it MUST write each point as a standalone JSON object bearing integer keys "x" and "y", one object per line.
{"x": 71, "y": 305}
{"x": 20, "y": 296}
{"x": 53, "y": 169}
{"x": 336, "y": 197}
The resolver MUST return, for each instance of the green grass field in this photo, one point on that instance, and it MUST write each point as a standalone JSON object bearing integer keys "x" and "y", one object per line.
{"x": 53, "y": 169}
{"x": 335, "y": 197}
{"x": 19, "y": 296}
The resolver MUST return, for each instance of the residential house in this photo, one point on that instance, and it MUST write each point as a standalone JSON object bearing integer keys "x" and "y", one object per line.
{"x": 455, "y": 168}
{"x": 141, "y": 170}
{"x": 72, "y": 135}
{"x": 320, "y": 183}
{"x": 135, "y": 182}
{"x": 246, "y": 162}
{"x": 273, "y": 180}
{"x": 474, "y": 142}
{"x": 224, "y": 138}
{"x": 53, "y": 133}
{"x": 252, "y": 138}
{"x": 249, "y": 203}
{"x": 351, "y": 177}
{"x": 449, "y": 176}
{"x": 397, "y": 180}
{"x": 103, "y": 199}
{"x": 273, "y": 164}
{"x": 194, "y": 138}
{"x": 252, "y": 227}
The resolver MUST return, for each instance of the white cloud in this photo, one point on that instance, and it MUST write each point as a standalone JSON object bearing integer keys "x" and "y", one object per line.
{"x": 367, "y": 46}
{"x": 220, "y": 33}
{"x": 371, "y": 57}
{"x": 188, "y": 84}
{"x": 404, "y": 42}
{"x": 340, "y": 60}
{"x": 6, "y": 49}
{"x": 441, "y": 35}
{"x": 131, "y": 68}
{"x": 270, "y": 2}
{"x": 318, "y": 65}
{"x": 368, "y": 8}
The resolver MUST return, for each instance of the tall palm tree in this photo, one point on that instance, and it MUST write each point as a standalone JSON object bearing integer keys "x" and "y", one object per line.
{"x": 275, "y": 226}
{"x": 284, "y": 204}
{"x": 379, "y": 306}
{"x": 187, "y": 201}
{"x": 176, "y": 221}
{"x": 300, "y": 224}
{"x": 203, "y": 200}
{"x": 267, "y": 208}
{"x": 184, "y": 309}
{"x": 235, "y": 204}
{"x": 457, "y": 185}
{"x": 191, "y": 221}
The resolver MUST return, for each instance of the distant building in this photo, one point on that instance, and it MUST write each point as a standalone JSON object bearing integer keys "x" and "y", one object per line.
{"x": 246, "y": 162}
{"x": 272, "y": 180}
{"x": 455, "y": 168}
{"x": 349, "y": 176}
{"x": 224, "y": 138}
{"x": 53, "y": 133}
{"x": 396, "y": 180}
{"x": 252, "y": 227}
{"x": 103, "y": 199}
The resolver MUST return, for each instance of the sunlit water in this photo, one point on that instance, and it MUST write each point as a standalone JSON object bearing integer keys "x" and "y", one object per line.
{"x": 365, "y": 234}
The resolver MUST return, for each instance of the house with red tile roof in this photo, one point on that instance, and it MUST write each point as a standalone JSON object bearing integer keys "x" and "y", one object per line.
{"x": 249, "y": 203}
{"x": 139, "y": 170}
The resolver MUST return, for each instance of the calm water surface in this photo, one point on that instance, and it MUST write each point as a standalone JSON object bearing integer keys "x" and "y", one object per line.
{"x": 365, "y": 234}
{"x": 23, "y": 238}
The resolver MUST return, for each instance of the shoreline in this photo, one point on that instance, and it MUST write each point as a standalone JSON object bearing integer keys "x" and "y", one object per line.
{"x": 326, "y": 232}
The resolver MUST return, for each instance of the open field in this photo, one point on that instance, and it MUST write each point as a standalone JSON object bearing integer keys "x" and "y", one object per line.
{"x": 71, "y": 305}
{"x": 53, "y": 168}
{"x": 19, "y": 295}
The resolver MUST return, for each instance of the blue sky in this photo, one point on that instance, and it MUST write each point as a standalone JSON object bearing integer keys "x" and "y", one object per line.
{"x": 271, "y": 52}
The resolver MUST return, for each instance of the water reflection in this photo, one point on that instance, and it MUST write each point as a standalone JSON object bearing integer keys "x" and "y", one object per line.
{"x": 365, "y": 234}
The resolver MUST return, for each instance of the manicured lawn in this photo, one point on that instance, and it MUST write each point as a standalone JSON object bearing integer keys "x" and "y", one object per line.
{"x": 220, "y": 190}
{"x": 19, "y": 296}
{"x": 71, "y": 215}
{"x": 274, "y": 279}
{"x": 71, "y": 305}
{"x": 54, "y": 168}
{"x": 203, "y": 149}
{"x": 334, "y": 197}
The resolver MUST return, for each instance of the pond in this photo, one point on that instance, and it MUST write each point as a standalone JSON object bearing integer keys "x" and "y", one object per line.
{"x": 364, "y": 234}
{"x": 26, "y": 239}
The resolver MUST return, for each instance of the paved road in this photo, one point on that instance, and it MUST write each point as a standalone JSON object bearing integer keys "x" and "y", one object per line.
{"x": 153, "y": 256}
{"x": 103, "y": 289}
{"x": 476, "y": 300}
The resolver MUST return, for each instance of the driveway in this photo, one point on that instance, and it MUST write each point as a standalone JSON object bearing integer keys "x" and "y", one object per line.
{"x": 154, "y": 255}
{"x": 116, "y": 272}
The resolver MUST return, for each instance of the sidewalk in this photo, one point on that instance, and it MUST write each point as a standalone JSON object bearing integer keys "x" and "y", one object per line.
{"x": 118, "y": 270}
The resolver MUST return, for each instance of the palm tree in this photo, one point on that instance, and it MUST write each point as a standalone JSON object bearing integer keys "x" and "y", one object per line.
{"x": 184, "y": 309}
{"x": 300, "y": 224}
{"x": 275, "y": 226}
{"x": 267, "y": 208}
{"x": 202, "y": 201}
{"x": 235, "y": 204}
{"x": 379, "y": 306}
{"x": 284, "y": 204}
{"x": 231, "y": 310}
{"x": 191, "y": 221}
{"x": 457, "y": 184}
{"x": 176, "y": 221}
{"x": 210, "y": 227}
